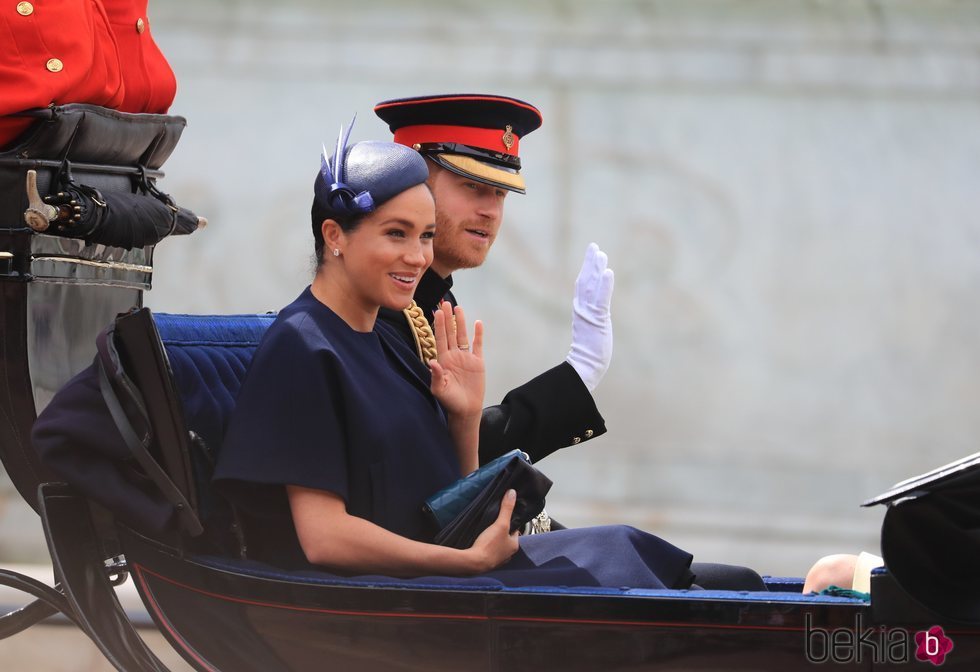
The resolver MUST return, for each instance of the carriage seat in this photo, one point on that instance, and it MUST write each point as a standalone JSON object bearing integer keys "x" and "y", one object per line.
{"x": 208, "y": 356}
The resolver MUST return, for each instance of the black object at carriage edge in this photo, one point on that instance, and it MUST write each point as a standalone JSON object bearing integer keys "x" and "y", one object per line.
{"x": 930, "y": 537}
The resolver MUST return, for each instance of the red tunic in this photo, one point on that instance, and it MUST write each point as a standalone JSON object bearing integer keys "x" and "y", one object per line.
{"x": 148, "y": 82}
{"x": 79, "y": 51}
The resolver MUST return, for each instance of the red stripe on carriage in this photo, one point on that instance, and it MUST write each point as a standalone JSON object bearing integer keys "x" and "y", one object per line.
{"x": 165, "y": 622}
{"x": 140, "y": 570}
{"x": 338, "y": 612}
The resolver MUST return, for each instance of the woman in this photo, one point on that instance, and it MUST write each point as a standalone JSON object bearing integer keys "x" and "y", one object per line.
{"x": 340, "y": 432}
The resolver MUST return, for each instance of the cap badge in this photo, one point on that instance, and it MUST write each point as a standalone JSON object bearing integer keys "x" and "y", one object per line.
{"x": 508, "y": 138}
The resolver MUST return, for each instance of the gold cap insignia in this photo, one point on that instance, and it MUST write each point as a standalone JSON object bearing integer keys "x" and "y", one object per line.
{"x": 508, "y": 136}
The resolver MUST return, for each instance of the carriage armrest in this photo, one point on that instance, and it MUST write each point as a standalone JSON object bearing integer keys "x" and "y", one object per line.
{"x": 139, "y": 391}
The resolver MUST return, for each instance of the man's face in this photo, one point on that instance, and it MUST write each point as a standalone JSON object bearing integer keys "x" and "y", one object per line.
{"x": 468, "y": 215}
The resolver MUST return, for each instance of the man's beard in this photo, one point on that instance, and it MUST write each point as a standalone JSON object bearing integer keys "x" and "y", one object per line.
{"x": 451, "y": 248}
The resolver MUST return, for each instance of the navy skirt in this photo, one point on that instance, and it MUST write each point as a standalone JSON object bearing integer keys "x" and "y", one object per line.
{"x": 613, "y": 556}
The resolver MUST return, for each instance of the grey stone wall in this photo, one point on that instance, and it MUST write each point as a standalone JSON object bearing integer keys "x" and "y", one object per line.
{"x": 786, "y": 189}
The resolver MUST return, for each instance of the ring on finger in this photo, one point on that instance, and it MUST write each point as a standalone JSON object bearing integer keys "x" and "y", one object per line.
{"x": 464, "y": 346}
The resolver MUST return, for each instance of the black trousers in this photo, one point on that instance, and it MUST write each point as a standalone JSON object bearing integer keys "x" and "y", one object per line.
{"x": 714, "y": 576}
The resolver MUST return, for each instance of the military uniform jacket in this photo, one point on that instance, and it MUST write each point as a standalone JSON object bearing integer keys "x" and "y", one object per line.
{"x": 550, "y": 411}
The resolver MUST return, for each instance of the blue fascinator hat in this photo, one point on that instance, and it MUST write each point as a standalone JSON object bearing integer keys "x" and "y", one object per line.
{"x": 357, "y": 179}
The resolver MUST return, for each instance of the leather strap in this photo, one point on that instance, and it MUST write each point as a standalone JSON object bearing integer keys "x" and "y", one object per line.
{"x": 138, "y": 447}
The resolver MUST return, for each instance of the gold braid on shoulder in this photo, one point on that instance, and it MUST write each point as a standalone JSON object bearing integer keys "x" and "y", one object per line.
{"x": 425, "y": 340}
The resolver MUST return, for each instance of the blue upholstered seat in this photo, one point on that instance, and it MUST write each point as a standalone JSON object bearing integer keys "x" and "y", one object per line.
{"x": 783, "y": 590}
{"x": 209, "y": 355}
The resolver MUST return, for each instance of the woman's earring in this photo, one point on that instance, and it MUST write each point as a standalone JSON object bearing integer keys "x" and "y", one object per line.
{"x": 336, "y": 252}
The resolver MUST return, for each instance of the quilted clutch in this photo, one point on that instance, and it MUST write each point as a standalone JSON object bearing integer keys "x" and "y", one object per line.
{"x": 464, "y": 509}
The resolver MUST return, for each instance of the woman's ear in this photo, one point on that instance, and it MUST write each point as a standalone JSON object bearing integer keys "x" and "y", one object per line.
{"x": 333, "y": 235}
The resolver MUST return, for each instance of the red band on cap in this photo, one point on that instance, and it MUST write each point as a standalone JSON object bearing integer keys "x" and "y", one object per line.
{"x": 491, "y": 139}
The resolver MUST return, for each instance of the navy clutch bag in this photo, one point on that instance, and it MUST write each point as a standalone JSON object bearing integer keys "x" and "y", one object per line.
{"x": 464, "y": 509}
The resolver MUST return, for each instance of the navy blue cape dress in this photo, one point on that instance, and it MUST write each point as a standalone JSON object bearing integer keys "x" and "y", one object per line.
{"x": 324, "y": 406}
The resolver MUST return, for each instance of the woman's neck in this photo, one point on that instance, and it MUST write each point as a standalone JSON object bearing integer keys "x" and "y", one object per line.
{"x": 334, "y": 293}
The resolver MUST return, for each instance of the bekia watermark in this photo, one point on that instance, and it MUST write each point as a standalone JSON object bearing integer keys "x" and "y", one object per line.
{"x": 876, "y": 644}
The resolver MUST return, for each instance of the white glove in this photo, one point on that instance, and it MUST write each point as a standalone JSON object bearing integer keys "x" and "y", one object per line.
{"x": 592, "y": 336}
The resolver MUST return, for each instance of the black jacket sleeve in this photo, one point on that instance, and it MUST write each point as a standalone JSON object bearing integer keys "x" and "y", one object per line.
{"x": 549, "y": 412}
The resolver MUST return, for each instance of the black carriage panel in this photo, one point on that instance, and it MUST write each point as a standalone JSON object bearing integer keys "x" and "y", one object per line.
{"x": 78, "y": 563}
{"x": 59, "y": 292}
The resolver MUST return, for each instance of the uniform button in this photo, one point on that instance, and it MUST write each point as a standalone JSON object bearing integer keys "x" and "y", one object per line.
{"x": 589, "y": 433}
{"x": 25, "y": 8}
{"x": 55, "y": 65}
{"x": 577, "y": 439}
{"x": 140, "y": 25}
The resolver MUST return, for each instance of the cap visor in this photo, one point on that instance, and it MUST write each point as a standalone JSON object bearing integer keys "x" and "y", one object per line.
{"x": 483, "y": 172}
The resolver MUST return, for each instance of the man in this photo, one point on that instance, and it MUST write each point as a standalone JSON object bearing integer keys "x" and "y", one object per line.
{"x": 471, "y": 143}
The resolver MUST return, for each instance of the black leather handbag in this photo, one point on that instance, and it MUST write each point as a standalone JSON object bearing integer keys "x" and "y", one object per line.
{"x": 464, "y": 509}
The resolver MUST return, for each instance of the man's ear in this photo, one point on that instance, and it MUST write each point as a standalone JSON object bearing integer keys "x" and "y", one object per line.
{"x": 333, "y": 235}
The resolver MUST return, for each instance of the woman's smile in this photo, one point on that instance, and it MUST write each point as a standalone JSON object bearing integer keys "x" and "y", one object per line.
{"x": 406, "y": 281}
